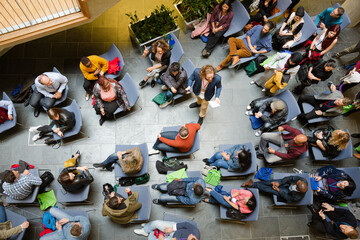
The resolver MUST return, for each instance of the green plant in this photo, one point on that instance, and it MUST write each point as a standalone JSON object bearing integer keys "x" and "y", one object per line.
{"x": 194, "y": 9}
{"x": 160, "y": 21}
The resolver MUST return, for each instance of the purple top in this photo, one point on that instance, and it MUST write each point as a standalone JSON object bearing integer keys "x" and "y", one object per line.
{"x": 332, "y": 185}
{"x": 223, "y": 21}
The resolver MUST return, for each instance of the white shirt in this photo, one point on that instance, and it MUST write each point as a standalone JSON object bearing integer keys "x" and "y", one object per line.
{"x": 278, "y": 63}
{"x": 8, "y": 104}
{"x": 59, "y": 83}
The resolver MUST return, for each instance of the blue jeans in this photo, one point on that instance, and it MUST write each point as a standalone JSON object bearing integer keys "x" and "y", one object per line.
{"x": 3, "y": 217}
{"x": 158, "y": 224}
{"x": 164, "y": 147}
{"x": 218, "y": 161}
{"x": 266, "y": 186}
{"x": 164, "y": 198}
{"x": 113, "y": 158}
{"x": 58, "y": 214}
{"x": 219, "y": 198}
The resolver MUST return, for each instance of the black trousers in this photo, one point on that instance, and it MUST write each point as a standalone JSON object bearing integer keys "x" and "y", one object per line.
{"x": 213, "y": 39}
{"x": 293, "y": 4}
{"x": 89, "y": 85}
{"x": 109, "y": 108}
{"x": 38, "y": 99}
{"x": 313, "y": 102}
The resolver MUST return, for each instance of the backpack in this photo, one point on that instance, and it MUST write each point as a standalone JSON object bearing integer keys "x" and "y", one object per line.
{"x": 213, "y": 177}
{"x": 163, "y": 169}
{"x": 171, "y": 162}
{"x": 47, "y": 178}
{"x": 233, "y": 213}
{"x": 169, "y": 41}
{"x": 126, "y": 181}
{"x": 142, "y": 179}
{"x": 49, "y": 221}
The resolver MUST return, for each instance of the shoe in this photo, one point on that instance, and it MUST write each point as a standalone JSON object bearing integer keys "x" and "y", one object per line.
{"x": 194, "y": 105}
{"x": 36, "y": 112}
{"x": 27, "y": 102}
{"x": 102, "y": 120}
{"x": 256, "y": 147}
{"x": 164, "y": 88}
{"x": 252, "y": 82}
{"x": 205, "y": 160}
{"x": 258, "y": 133}
{"x": 153, "y": 152}
{"x": 235, "y": 64}
{"x": 219, "y": 68}
{"x": 295, "y": 170}
{"x": 156, "y": 201}
{"x": 152, "y": 84}
{"x": 87, "y": 97}
{"x": 334, "y": 55}
{"x": 143, "y": 83}
{"x": 355, "y": 135}
{"x": 205, "y": 53}
{"x": 154, "y": 186}
{"x": 249, "y": 113}
{"x": 36, "y": 137}
{"x": 200, "y": 121}
{"x": 143, "y": 224}
{"x": 248, "y": 183}
{"x": 165, "y": 104}
{"x": 141, "y": 232}
{"x": 78, "y": 158}
{"x": 263, "y": 90}
{"x": 248, "y": 107}
{"x": 260, "y": 156}
{"x": 98, "y": 165}
{"x": 34, "y": 129}
{"x": 357, "y": 155}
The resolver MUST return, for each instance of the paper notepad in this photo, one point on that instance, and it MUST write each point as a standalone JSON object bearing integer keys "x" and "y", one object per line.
{"x": 214, "y": 104}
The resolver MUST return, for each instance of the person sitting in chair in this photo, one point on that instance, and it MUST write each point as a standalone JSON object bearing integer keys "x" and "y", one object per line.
{"x": 181, "y": 141}
{"x": 292, "y": 144}
{"x": 290, "y": 189}
{"x": 188, "y": 191}
{"x": 259, "y": 108}
{"x": 120, "y": 209}
{"x": 72, "y": 180}
{"x": 6, "y": 228}
{"x": 325, "y": 104}
{"x": 6, "y": 114}
{"x": 236, "y": 159}
{"x": 329, "y": 17}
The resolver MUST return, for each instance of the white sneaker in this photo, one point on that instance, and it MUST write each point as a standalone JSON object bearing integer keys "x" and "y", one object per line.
{"x": 248, "y": 108}
{"x": 34, "y": 129}
{"x": 295, "y": 170}
{"x": 164, "y": 88}
{"x": 263, "y": 90}
{"x": 143, "y": 224}
{"x": 249, "y": 113}
{"x": 36, "y": 137}
{"x": 153, "y": 152}
{"x": 141, "y": 232}
{"x": 252, "y": 82}
{"x": 258, "y": 133}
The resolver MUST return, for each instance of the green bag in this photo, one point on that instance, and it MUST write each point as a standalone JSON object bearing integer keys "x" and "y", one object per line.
{"x": 142, "y": 179}
{"x": 348, "y": 108}
{"x": 171, "y": 162}
{"x": 181, "y": 173}
{"x": 267, "y": 60}
{"x": 160, "y": 98}
{"x": 250, "y": 68}
{"x": 46, "y": 199}
{"x": 213, "y": 177}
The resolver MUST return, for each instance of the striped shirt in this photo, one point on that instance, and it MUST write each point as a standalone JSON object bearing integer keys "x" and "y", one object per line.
{"x": 22, "y": 187}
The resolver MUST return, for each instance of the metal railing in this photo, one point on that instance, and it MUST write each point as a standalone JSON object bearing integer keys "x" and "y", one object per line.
{"x": 19, "y": 14}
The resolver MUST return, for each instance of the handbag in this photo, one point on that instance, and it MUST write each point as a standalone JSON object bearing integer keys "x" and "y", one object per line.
{"x": 213, "y": 177}
{"x": 256, "y": 122}
{"x": 159, "y": 99}
{"x": 206, "y": 170}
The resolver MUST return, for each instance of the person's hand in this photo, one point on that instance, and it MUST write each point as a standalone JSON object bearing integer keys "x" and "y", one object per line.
{"x": 149, "y": 69}
{"x": 322, "y": 25}
{"x": 217, "y": 100}
{"x": 127, "y": 190}
{"x": 63, "y": 221}
{"x": 271, "y": 150}
{"x": 56, "y": 130}
{"x": 58, "y": 226}
{"x": 227, "y": 157}
{"x": 328, "y": 207}
{"x": 102, "y": 111}
{"x": 318, "y": 189}
{"x": 318, "y": 112}
{"x": 178, "y": 179}
{"x": 352, "y": 71}
{"x": 265, "y": 19}
{"x": 146, "y": 51}
{"x": 26, "y": 172}
{"x": 321, "y": 214}
{"x": 280, "y": 129}
{"x": 281, "y": 33}
{"x": 25, "y": 225}
{"x": 112, "y": 194}
{"x": 119, "y": 154}
{"x": 317, "y": 178}
{"x": 227, "y": 198}
{"x": 188, "y": 89}
{"x": 309, "y": 55}
{"x": 161, "y": 237}
{"x": 223, "y": 153}
{"x": 332, "y": 87}
{"x": 57, "y": 95}
{"x": 97, "y": 71}
{"x": 258, "y": 114}
{"x": 213, "y": 31}
{"x": 102, "y": 73}
{"x": 266, "y": 68}
{"x": 275, "y": 186}
{"x": 10, "y": 117}
{"x": 173, "y": 90}
{"x": 168, "y": 230}
{"x": 60, "y": 133}
{"x": 159, "y": 135}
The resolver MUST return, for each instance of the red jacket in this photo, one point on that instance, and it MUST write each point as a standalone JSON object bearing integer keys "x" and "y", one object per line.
{"x": 184, "y": 145}
{"x": 294, "y": 151}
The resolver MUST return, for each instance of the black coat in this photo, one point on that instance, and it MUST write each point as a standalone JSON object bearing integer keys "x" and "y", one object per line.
{"x": 80, "y": 180}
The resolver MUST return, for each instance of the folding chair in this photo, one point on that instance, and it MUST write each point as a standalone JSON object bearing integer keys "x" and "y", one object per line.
{"x": 143, "y": 214}
{"x": 251, "y": 217}
{"x": 307, "y": 30}
{"x": 293, "y": 108}
{"x": 225, "y": 174}
{"x": 16, "y": 220}
{"x": 112, "y": 54}
{"x": 11, "y": 123}
{"x": 240, "y": 19}
{"x": 189, "y": 67}
{"x": 354, "y": 173}
{"x": 145, "y": 154}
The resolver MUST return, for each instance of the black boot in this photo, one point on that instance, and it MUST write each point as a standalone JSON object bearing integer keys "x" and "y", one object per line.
{"x": 102, "y": 120}
{"x": 98, "y": 165}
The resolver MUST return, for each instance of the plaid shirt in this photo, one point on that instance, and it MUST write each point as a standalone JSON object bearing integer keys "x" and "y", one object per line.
{"x": 22, "y": 187}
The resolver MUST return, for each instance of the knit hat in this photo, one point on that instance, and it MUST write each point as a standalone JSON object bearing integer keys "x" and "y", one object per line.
{"x": 300, "y": 12}
{"x": 277, "y": 106}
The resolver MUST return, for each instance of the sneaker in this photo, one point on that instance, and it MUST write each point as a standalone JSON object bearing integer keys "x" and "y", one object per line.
{"x": 36, "y": 112}
{"x": 249, "y": 113}
{"x": 252, "y": 82}
{"x": 34, "y": 129}
{"x": 248, "y": 107}
{"x": 87, "y": 97}
{"x": 165, "y": 104}
{"x": 98, "y": 165}
{"x": 164, "y": 88}
{"x": 152, "y": 84}
{"x": 143, "y": 83}
{"x": 153, "y": 152}
{"x": 298, "y": 171}
{"x": 219, "y": 68}
{"x": 194, "y": 105}
{"x": 36, "y": 137}
{"x": 263, "y": 90}
{"x": 258, "y": 133}
{"x": 143, "y": 224}
{"x": 141, "y": 232}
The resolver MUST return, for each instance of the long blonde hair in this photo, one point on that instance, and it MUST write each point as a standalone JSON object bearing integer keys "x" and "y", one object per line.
{"x": 339, "y": 139}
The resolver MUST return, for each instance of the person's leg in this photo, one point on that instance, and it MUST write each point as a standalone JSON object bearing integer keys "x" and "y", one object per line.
{"x": 267, "y": 137}
{"x": 264, "y": 186}
{"x": 169, "y": 95}
{"x": 158, "y": 224}
{"x": 213, "y": 39}
{"x": 70, "y": 163}
{"x": 110, "y": 160}
{"x": 298, "y": 89}
{"x": 215, "y": 157}
{"x": 220, "y": 163}
{"x": 219, "y": 199}
{"x": 164, "y": 147}
{"x": 47, "y": 102}
{"x": 270, "y": 83}
{"x": 165, "y": 198}
{"x": 203, "y": 108}
{"x": 306, "y": 99}
{"x": 3, "y": 217}
{"x": 50, "y": 236}
{"x": 58, "y": 213}
{"x": 35, "y": 99}
{"x": 310, "y": 115}
{"x": 110, "y": 108}
{"x": 346, "y": 51}
{"x": 242, "y": 51}
{"x": 271, "y": 158}
{"x": 162, "y": 187}
{"x": 87, "y": 86}
{"x": 293, "y": 4}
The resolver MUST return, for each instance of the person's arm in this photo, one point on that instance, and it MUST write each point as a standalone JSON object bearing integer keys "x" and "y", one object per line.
{"x": 190, "y": 81}
{"x": 104, "y": 64}
{"x": 228, "y": 200}
{"x": 323, "y": 52}
{"x": 87, "y": 75}
{"x": 298, "y": 29}
{"x": 291, "y": 154}
{"x": 182, "y": 78}
{"x": 41, "y": 89}
{"x": 8, "y": 104}
{"x": 7, "y": 233}
{"x": 172, "y": 143}
{"x": 34, "y": 180}
{"x": 320, "y": 145}
{"x": 218, "y": 87}
{"x": 165, "y": 59}
{"x": 311, "y": 75}
{"x": 291, "y": 129}
{"x": 88, "y": 178}
{"x": 62, "y": 80}
{"x": 225, "y": 26}
{"x": 319, "y": 17}
{"x": 265, "y": 105}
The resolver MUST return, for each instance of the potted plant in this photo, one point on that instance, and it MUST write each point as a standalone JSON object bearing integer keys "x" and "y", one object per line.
{"x": 145, "y": 31}
{"x": 193, "y": 10}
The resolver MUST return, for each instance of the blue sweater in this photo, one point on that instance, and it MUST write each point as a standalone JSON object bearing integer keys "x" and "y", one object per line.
{"x": 65, "y": 234}
{"x": 190, "y": 198}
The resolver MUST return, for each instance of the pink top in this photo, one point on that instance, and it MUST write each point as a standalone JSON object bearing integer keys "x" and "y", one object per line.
{"x": 240, "y": 199}
{"x": 358, "y": 66}
{"x": 108, "y": 96}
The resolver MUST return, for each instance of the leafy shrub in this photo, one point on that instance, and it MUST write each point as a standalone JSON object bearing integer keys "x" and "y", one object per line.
{"x": 194, "y": 9}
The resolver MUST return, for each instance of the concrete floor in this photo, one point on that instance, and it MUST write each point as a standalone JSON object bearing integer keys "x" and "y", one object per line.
{"x": 223, "y": 125}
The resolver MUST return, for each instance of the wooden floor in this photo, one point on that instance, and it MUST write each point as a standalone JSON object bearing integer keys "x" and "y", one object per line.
{"x": 17, "y": 14}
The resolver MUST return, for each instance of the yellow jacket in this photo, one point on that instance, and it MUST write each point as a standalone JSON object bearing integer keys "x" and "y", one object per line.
{"x": 97, "y": 63}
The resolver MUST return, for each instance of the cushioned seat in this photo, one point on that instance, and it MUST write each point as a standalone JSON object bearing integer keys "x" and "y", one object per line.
{"x": 307, "y": 30}
{"x": 252, "y": 216}
{"x": 346, "y": 153}
{"x": 31, "y": 198}
{"x": 308, "y": 198}
{"x": 73, "y": 107}
{"x": 11, "y": 123}
{"x": 195, "y": 147}
{"x": 63, "y": 196}
{"x": 178, "y": 219}
{"x": 16, "y": 220}
{"x": 240, "y": 19}
{"x": 145, "y": 154}
{"x": 145, "y": 199}
{"x": 282, "y": 5}
{"x": 293, "y": 108}
{"x": 225, "y": 173}
{"x": 189, "y": 67}
{"x": 111, "y": 55}
{"x": 130, "y": 89}
{"x": 354, "y": 173}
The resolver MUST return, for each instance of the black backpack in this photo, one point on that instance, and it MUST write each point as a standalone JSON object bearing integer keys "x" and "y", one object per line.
{"x": 236, "y": 214}
{"x": 47, "y": 178}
